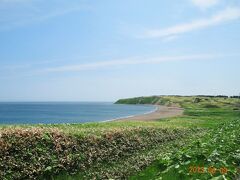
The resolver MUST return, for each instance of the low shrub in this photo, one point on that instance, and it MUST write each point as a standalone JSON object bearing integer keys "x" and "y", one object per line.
{"x": 210, "y": 106}
{"x": 31, "y": 153}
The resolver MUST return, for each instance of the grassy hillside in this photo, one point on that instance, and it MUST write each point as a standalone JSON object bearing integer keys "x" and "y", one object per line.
{"x": 206, "y": 135}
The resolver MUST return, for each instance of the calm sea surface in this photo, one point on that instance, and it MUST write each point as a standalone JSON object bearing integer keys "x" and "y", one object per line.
{"x": 74, "y": 112}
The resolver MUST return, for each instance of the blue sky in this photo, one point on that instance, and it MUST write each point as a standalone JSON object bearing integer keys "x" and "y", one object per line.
{"x": 62, "y": 50}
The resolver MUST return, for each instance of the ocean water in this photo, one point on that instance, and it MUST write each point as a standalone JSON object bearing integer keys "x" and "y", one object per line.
{"x": 66, "y": 112}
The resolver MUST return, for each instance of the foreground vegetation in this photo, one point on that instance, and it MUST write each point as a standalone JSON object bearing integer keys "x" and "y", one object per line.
{"x": 217, "y": 154}
{"x": 185, "y": 147}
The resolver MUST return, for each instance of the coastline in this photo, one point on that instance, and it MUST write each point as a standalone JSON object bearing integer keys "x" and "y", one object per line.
{"x": 160, "y": 112}
{"x": 132, "y": 116}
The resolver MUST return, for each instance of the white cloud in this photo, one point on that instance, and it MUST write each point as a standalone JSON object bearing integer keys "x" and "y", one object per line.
{"x": 18, "y": 13}
{"x": 170, "y": 38}
{"x": 124, "y": 62}
{"x": 203, "y": 4}
{"x": 229, "y": 14}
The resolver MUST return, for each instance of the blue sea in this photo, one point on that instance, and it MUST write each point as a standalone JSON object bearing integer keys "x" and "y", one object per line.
{"x": 66, "y": 112}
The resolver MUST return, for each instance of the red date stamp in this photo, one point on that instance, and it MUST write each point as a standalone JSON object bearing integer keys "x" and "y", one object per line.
{"x": 211, "y": 170}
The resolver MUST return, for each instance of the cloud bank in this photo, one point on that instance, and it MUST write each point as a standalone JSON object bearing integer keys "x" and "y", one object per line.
{"x": 125, "y": 62}
{"x": 229, "y": 14}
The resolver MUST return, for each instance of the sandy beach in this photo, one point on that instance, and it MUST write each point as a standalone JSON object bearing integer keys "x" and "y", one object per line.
{"x": 160, "y": 113}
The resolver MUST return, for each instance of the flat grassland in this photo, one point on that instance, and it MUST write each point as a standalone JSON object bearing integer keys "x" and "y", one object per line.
{"x": 203, "y": 143}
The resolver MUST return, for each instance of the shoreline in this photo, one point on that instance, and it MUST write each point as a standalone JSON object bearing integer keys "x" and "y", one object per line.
{"x": 160, "y": 112}
{"x": 132, "y": 116}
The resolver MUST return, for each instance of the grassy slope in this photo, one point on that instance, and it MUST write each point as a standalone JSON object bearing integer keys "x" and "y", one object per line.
{"x": 208, "y": 114}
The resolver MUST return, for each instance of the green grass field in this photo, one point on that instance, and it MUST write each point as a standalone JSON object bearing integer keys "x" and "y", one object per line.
{"x": 205, "y": 138}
